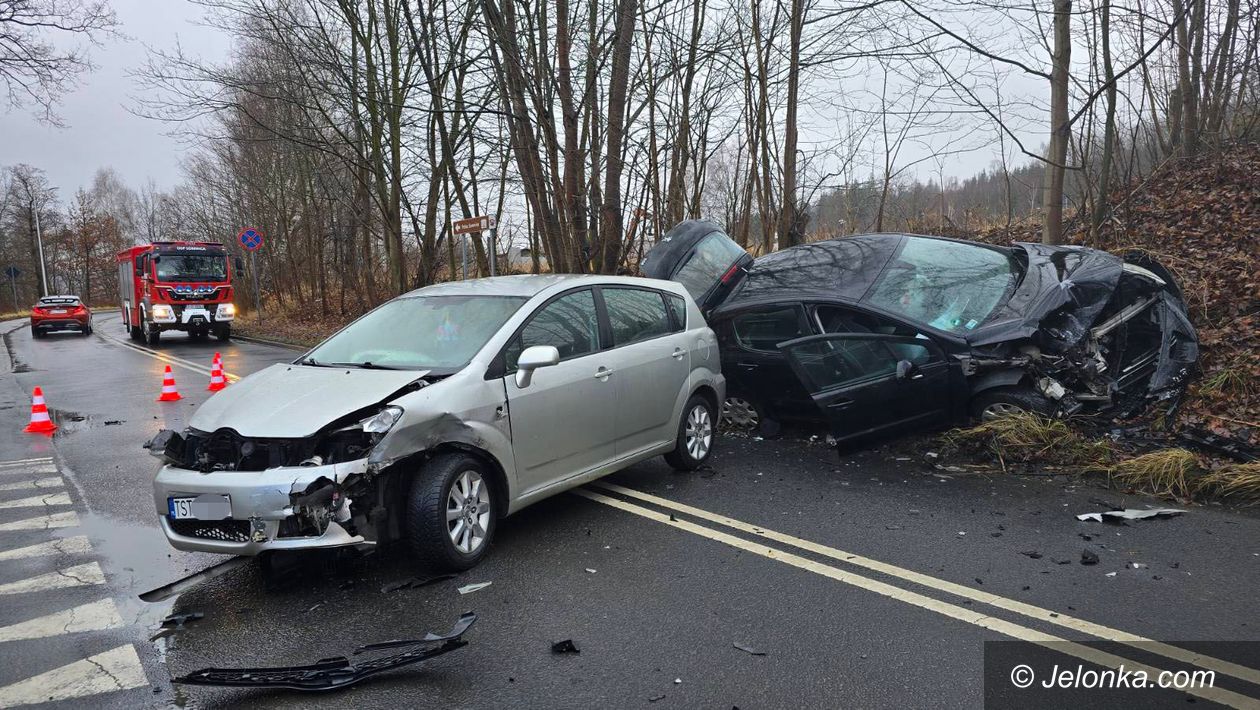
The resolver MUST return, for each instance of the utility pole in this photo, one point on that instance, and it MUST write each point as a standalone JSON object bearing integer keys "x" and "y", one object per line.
{"x": 39, "y": 241}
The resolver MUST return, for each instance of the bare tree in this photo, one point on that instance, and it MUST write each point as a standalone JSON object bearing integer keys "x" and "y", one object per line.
{"x": 35, "y": 64}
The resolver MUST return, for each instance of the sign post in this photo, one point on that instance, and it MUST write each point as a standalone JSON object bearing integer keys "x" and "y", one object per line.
{"x": 13, "y": 272}
{"x": 477, "y": 225}
{"x": 252, "y": 240}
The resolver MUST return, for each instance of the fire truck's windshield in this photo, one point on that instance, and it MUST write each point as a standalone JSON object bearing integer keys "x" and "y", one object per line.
{"x": 192, "y": 267}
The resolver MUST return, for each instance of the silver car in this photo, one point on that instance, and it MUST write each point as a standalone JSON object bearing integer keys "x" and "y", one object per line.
{"x": 439, "y": 412}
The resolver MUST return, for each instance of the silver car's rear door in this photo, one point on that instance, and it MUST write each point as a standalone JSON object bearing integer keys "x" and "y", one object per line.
{"x": 650, "y": 353}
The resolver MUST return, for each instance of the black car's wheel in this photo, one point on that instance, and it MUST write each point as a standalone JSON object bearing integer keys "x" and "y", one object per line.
{"x": 451, "y": 512}
{"x": 695, "y": 435}
{"x": 1004, "y": 401}
{"x": 741, "y": 413}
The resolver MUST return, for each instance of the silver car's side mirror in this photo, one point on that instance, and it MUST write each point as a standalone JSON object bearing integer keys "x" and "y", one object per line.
{"x": 533, "y": 358}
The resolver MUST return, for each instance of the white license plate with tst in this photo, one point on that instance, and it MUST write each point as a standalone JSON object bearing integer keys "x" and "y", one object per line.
{"x": 208, "y": 506}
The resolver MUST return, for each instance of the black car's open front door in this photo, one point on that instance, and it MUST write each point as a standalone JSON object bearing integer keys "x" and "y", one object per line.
{"x": 867, "y": 383}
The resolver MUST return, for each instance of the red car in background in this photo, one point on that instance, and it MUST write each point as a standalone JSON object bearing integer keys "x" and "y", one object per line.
{"x": 60, "y": 313}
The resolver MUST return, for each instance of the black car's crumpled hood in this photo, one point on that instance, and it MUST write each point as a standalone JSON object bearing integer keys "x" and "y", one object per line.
{"x": 1064, "y": 291}
{"x": 1055, "y": 276}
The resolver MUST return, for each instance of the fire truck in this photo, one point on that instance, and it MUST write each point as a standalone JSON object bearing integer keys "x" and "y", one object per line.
{"x": 167, "y": 286}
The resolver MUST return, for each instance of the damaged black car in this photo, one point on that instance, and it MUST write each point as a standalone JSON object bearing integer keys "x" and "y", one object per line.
{"x": 877, "y": 333}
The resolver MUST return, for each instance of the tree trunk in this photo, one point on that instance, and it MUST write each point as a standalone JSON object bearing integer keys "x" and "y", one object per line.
{"x": 1052, "y": 203}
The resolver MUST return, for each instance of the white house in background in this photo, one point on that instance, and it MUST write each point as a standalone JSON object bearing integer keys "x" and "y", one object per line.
{"x": 521, "y": 259}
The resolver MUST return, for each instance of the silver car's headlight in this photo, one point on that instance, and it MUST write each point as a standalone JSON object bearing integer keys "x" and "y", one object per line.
{"x": 379, "y": 424}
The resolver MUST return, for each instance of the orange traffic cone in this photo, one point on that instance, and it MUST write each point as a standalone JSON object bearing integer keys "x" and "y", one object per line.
{"x": 169, "y": 393}
{"x": 40, "y": 422}
{"x": 217, "y": 380}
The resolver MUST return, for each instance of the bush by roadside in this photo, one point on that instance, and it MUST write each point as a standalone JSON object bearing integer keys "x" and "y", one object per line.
{"x": 1029, "y": 441}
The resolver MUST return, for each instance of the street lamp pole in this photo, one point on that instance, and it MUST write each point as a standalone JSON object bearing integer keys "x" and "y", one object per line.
{"x": 39, "y": 240}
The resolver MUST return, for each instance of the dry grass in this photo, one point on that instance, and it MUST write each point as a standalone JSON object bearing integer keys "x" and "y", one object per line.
{"x": 1236, "y": 481}
{"x": 1028, "y": 438}
{"x": 1165, "y": 473}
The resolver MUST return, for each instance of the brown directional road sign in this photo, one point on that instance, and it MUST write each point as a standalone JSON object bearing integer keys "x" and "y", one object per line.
{"x": 473, "y": 225}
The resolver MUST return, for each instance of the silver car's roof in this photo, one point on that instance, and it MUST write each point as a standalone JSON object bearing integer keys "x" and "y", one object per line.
{"x": 529, "y": 285}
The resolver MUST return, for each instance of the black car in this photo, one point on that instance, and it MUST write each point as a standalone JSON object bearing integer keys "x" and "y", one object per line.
{"x": 881, "y": 332}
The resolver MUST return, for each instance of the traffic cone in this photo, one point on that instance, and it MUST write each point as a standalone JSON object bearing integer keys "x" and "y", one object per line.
{"x": 217, "y": 380}
{"x": 169, "y": 393}
{"x": 40, "y": 422}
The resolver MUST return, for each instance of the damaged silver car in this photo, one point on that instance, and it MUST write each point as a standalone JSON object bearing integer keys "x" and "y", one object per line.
{"x": 877, "y": 333}
{"x": 441, "y": 411}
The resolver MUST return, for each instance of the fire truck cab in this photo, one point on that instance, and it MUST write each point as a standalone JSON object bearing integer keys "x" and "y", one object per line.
{"x": 167, "y": 286}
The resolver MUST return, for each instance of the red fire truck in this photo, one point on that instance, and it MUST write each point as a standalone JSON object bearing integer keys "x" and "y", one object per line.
{"x": 184, "y": 286}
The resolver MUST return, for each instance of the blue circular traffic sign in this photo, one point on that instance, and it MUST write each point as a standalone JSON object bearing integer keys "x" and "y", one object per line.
{"x": 250, "y": 238}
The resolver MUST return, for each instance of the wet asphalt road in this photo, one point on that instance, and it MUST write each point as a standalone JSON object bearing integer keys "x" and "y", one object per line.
{"x": 655, "y": 594}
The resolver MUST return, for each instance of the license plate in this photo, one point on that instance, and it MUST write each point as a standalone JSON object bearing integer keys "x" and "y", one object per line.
{"x": 208, "y": 506}
{"x": 59, "y": 312}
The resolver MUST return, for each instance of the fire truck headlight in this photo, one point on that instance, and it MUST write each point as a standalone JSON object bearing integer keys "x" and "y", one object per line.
{"x": 226, "y": 311}
{"x": 161, "y": 311}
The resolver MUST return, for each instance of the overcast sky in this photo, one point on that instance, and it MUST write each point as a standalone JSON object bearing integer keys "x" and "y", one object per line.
{"x": 99, "y": 130}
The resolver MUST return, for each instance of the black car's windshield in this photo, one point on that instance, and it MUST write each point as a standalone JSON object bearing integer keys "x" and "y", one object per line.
{"x": 951, "y": 286}
{"x": 417, "y": 332}
{"x": 192, "y": 267}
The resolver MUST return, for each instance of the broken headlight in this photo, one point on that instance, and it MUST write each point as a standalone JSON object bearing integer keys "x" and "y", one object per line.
{"x": 379, "y": 424}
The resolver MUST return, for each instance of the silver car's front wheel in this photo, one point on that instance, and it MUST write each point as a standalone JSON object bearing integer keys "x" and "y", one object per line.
{"x": 451, "y": 511}
{"x": 468, "y": 512}
{"x": 695, "y": 435}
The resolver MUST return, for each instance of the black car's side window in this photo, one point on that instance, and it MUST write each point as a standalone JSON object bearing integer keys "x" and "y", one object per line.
{"x": 635, "y": 314}
{"x": 763, "y": 330}
{"x": 570, "y": 323}
{"x": 837, "y": 319}
{"x": 830, "y": 364}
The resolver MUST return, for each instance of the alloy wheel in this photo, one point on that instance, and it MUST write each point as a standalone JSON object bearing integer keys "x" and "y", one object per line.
{"x": 698, "y": 433}
{"x": 998, "y": 410}
{"x": 468, "y": 512}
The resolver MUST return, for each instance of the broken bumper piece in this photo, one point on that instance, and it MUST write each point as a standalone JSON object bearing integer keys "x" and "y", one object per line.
{"x": 335, "y": 673}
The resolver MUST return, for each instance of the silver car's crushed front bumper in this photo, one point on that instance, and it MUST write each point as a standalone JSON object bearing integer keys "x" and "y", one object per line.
{"x": 261, "y": 501}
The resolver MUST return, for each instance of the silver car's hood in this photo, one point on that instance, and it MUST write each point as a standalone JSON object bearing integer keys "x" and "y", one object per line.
{"x": 292, "y": 401}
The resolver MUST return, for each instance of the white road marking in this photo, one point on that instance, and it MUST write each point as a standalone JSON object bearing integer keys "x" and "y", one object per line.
{"x": 96, "y": 616}
{"x": 1023, "y": 633}
{"x": 43, "y": 522}
{"x": 82, "y": 575}
{"x": 1106, "y": 633}
{"x": 116, "y": 669}
{"x": 25, "y": 462}
{"x": 169, "y": 359}
{"x": 36, "y": 501}
{"x": 76, "y": 545}
{"x": 36, "y": 484}
{"x": 28, "y": 469}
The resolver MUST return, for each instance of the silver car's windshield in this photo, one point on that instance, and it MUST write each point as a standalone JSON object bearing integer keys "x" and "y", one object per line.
{"x": 417, "y": 333}
{"x": 950, "y": 286}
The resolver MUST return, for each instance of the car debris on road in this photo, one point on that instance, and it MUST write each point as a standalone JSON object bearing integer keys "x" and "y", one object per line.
{"x": 1119, "y": 516}
{"x": 335, "y": 673}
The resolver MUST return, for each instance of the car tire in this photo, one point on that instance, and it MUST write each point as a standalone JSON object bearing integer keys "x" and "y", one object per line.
{"x": 1001, "y": 401}
{"x": 741, "y": 412}
{"x": 36, "y": 333}
{"x": 152, "y": 335}
{"x": 224, "y": 333}
{"x": 696, "y": 435}
{"x": 441, "y": 486}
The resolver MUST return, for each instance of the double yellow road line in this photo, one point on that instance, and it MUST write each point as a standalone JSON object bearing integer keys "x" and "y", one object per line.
{"x": 913, "y": 598}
